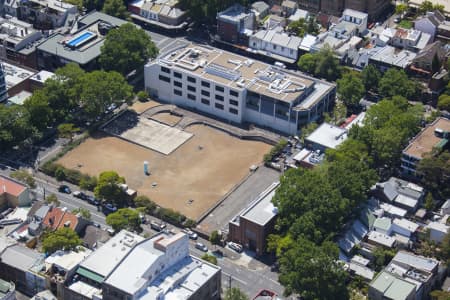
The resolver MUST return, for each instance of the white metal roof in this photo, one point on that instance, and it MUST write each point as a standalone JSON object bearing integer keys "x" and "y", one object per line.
{"x": 328, "y": 135}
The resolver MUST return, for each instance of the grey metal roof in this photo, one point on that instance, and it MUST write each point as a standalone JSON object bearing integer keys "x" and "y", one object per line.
{"x": 20, "y": 257}
{"x": 415, "y": 261}
{"x": 260, "y": 6}
{"x": 262, "y": 209}
{"x": 390, "y": 191}
{"x": 99, "y": 16}
{"x": 42, "y": 212}
{"x": 81, "y": 56}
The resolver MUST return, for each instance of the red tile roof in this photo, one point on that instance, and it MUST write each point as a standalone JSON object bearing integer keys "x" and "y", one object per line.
{"x": 53, "y": 218}
{"x": 10, "y": 187}
{"x": 56, "y": 218}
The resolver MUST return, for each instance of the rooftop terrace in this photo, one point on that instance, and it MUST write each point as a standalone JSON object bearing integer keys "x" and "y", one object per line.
{"x": 238, "y": 72}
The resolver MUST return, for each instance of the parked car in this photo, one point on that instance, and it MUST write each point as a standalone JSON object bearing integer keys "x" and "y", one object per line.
{"x": 109, "y": 208}
{"x": 156, "y": 226}
{"x": 64, "y": 189}
{"x": 201, "y": 246}
{"x": 236, "y": 247}
{"x": 80, "y": 195}
{"x": 192, "y": 235}
{"x": 92, "y": 200}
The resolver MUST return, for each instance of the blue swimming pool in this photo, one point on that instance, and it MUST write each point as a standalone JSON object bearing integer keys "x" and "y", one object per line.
{"x": 81, "y": 39}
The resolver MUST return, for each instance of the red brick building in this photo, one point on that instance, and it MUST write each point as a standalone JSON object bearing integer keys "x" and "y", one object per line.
{"x": 252, "y": 226}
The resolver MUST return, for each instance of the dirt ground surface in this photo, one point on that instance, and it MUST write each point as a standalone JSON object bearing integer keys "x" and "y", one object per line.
{"x": 166, "y": 118}
{"x": 203, "y": 169}
{"x": 140, "y": 107}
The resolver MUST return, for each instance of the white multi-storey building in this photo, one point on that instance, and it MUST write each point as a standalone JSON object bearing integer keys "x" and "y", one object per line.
{"x": 237, "y": 89}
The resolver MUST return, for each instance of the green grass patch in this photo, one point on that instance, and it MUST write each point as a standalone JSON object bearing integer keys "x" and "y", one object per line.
{"x": 405, "y": 24}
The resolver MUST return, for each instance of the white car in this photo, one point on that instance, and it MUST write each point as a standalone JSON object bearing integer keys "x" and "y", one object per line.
{"x": 236, "y": 247}
{"x": 192, "y": 235}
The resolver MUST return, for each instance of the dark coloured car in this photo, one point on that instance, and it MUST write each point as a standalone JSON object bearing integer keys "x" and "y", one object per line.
{"x": 109, "y": 208}
{"x": 92, "y": 200}
{"x": 64, "y": 189}
{"x": 80, "y": 195}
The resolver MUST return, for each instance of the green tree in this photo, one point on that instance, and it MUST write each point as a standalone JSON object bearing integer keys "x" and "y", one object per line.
{"x": 313, "y": 271}
{"x": 124, "y": 218}
{"x": 24, "y": 176}
{"x": 303, "y": 27}
{"x": 327, "y": 65}
{"x": 145, "y": 202}
{"x": 210, "y": 258}
{"x": 382, "y": 257}
{"x": 307, "y": 130}
{"x": 307, "y": 63}
{"x": 60, "y": 173}
{"x": 215, "y": 237}
{"x": 339, "y": 112}
{"x": 445, "y": 248}
{"x": 350, "y": 89}
{"x": 235, "y": 294}
{"x": 52, "y": 199}
{"x": 396, "y": 82}
{"x": 108, "y": 187}
{"x": 127, "y": 48}
{"x": 84, "y": 213}
{"x": 444, "y": 102}
{"x": 435, "y": 174}
{"x": 15, "y": 126}
{"x": 88, "y": 182}
{"x": 386, "y": 135}
{"x": 370, "y": 77}
{"x": 39, "y": 110}
{"x": 425, "y": 6}
{"x": 142, "y": 96}
{"x": 61, "y": 239}
{"x": 116, "y": 8}
{"x": 67, "y": 130}
{"x": 401, "y": 8}
{"x": 101, "y": 89}
{"x": 429, "y": 202}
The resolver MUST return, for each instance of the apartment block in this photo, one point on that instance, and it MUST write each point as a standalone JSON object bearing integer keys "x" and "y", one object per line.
{"x": 237, "y": 89}
{"x": 433, "y": 138}
{"x": 45, "y": 14}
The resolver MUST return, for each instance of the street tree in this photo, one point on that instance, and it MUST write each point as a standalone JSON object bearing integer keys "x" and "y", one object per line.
{"x": 15, "y": 126}
{"x": 100, "y": 89}
{"x": 214, "y": 238}
{"x": 307, "y": 63}
{"x": 124, "y": 218}
{"x": 116, "y": 8}
{"x": 210, "y": 258}
{"x": 67, "y": 130}
{"x": 108, "y": 188}
{"x": 145, "y": 202}
{"x": 24, "y": 176}
{"x": 62, "y": 239}
{"x": 235, "y": 294}
{"x": 396, "y": 82}
{"x": 126, "y": 48}
{"x": 83, "y": 212}
{"x": 350, "y": 89}
{"x": 371, "y": 78}
{"x": 52, "y": 199}
{"x": 444, "y": 102}
{"x": 41, "y": 115}
{"x": 313, "y": 271}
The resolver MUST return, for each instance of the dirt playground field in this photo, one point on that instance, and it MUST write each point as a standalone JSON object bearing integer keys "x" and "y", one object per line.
{"x": 203, "y": 169}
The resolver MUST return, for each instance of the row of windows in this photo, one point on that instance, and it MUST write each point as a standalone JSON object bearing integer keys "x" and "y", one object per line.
{"x": 193, "y": 80}
{"x": 206, "y": 94}
{"x": 206, "y": 102}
